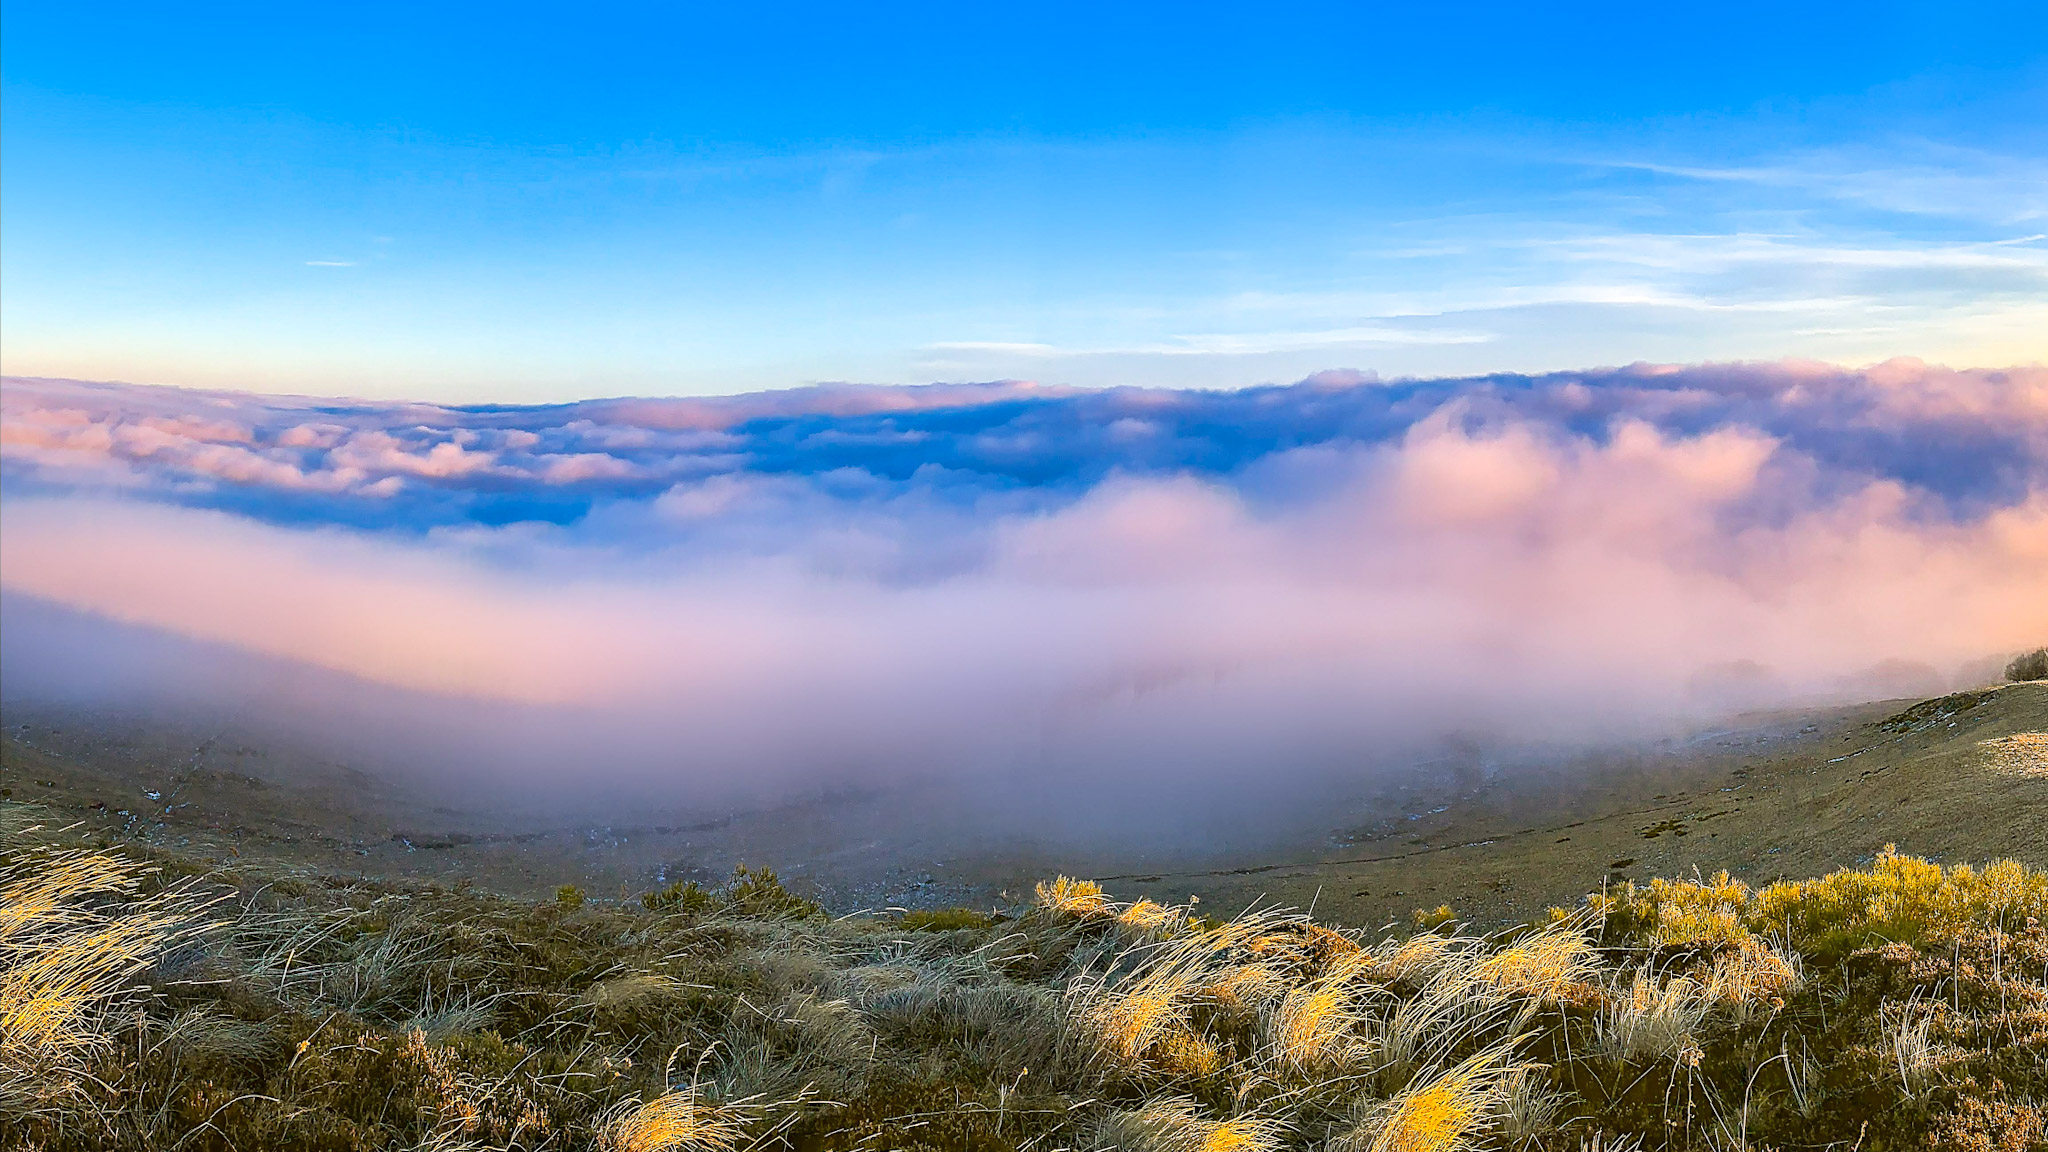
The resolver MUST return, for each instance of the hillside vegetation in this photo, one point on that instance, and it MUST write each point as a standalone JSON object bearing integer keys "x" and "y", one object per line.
{"x": 145, "y": 1005}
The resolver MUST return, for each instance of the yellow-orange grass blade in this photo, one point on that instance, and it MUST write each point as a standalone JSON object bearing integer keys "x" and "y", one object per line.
{"x": 1445, "y": 1113}
{"x": 1177, "y": 1124}
{"x": 37, "y": 888}
{"x": 1314, "y": 1029}
{"x": 673, "y": 1122}
{"x": 1542, "y": 966}
{"x": 1067, "y": 896}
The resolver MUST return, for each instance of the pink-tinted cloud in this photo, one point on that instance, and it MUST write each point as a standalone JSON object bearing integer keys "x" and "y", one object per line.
{"x": 1509, "y": 569}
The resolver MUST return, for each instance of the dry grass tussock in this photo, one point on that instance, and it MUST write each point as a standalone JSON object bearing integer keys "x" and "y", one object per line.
{"x": 1546, "y": 967}
{"x": 1179, "y": 1124}
{"x": 1445, "y": 1112}
{"x": 77, "y": 933}
{"x": 1066, "y": 896}
{"x": 677, "y": 1121}
{"x": 229, "y": 1011}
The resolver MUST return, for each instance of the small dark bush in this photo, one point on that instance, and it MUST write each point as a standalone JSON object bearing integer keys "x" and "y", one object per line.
{"x": 2028, "y": 666}
{"x": 754, "y": 892}
{"x": 681, "y": 896}
{"x": 1432, "y": 919}
{"x": 759, "y": 892}
{"x": 569, "y": 896}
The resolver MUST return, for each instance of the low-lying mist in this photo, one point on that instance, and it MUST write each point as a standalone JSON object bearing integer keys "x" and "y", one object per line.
{"x": 1145, "y": 614}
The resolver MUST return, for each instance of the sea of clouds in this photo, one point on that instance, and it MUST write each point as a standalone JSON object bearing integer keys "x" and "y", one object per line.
{"x": 1137, "y": 591}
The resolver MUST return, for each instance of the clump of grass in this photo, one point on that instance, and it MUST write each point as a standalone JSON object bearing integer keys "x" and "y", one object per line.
{"x": 1244, "y": 990}
{"x": 1415, "y": 959}
{"x": 1147, "y": 917}
{"x": 76, "y": 934}
{"x": 1754, "y": 973}
{"x": 1544, "y": 966}
{"x": 681, "y": 896}
{"x": 1912, "y": 1049}
{"x": 1322, "y": 1027}
{"x": 1450, "y": 1011}
{"x": 1178, "y": 1124}
{"x": 749, "y": 892}
{"x": 1528, "y": 1107}
{"x": 640, "y": 991}
{"x": 1653, "y": 1020}
{"x": 1433, "y": 919}
{"x": 758, "y": 892}
{"x": 1080, "y": 899}
{"x": 677, "y": 1121}
{"x": 1446, "y": 1112}
{"x": 1137, "y": 1023}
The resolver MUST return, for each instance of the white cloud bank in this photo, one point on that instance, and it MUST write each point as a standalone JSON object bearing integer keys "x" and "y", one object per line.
{"x": 1142, "y": 589}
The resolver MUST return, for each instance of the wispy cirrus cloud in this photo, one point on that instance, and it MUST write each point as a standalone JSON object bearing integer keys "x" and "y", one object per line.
{"x": 1233, "y": 343}
{"x": 1911, "y": 177}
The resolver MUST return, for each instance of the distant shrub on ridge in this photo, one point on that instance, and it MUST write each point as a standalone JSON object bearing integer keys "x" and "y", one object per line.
{"x": 2028, "y": 666}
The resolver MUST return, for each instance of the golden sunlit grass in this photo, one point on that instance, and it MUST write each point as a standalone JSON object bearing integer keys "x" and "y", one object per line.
{"x": 1544, "y": 966}
{"x": 1066, "y": 896}
{"x": 1319, "y": 1027}
{"x": 1147, "y": 917}
{"x": 1178, "y": 1124}
{"x": 672, "y": 1122}
{"x": 1414, "y": 959}
{"x": 1674, "y": 1015}
{"x": 1131, "y": 1021}
{"x": 1898, "y": 898}
{"x": 1752, "y": 973}
{"x": 1244, "y": 989}
{"x": 76, "y": 932}
{"x": 41, "y": 887}
{"x": 1442, "y": 1113}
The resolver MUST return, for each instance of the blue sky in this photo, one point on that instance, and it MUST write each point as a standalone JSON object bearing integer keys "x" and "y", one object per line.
{"x": 516, "y": 203}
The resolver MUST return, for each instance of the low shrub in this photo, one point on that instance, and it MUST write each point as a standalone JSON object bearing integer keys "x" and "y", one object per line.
{"x": 2028, "y": 666}
{"x": 749, "y": 892}
{"x": 1899, "y": 898}
{"x": 759, "y": 892}
{"x": 682, "y": 896}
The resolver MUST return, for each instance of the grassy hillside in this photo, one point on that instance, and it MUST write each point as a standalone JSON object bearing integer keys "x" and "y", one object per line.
{"x": 1960, "y": 777}
{"x": 147, "y": 1004}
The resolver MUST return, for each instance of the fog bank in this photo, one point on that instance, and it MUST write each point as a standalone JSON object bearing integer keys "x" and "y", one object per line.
{"x": 1189, "y": 597}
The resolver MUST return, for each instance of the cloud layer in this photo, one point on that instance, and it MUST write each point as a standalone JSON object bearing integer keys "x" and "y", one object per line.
{"x": 1131, "y": 588}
